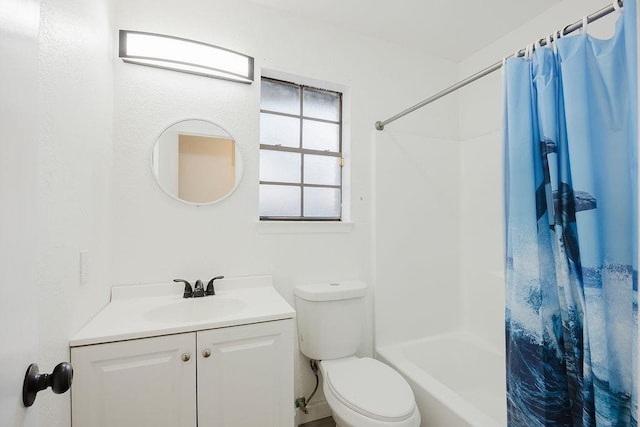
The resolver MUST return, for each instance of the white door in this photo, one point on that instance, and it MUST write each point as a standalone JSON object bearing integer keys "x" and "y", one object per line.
{"x": 137, "y": 383}
{"x": 19, "y": 27}
{"x": 245, "y": 375}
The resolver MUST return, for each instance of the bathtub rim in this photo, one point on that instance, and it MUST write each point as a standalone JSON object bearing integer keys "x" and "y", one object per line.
{"x": 469, "y": 413}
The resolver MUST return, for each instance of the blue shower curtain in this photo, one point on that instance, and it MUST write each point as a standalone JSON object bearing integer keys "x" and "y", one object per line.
{"x": 570, "y": 131}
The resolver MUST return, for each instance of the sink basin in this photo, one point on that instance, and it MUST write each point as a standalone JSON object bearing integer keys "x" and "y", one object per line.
{"x": 195, "y": 310}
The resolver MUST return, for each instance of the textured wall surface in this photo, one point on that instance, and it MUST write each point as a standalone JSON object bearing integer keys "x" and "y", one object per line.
{"x": 73, "y": 164}
{"x": 157, "y": 239}
{"x": 56, "y": 166}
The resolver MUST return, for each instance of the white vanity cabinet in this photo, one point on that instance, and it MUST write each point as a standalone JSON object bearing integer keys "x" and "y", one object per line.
{"x": 247, "y": 380}
{"x": 225, "y": 377}
{"x": 143, "y": 382}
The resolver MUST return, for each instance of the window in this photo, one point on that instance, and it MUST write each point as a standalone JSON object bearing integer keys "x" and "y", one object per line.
{"x": 300, "y": 152}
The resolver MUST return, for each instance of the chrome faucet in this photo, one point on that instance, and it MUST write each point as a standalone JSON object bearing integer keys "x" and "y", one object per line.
{"x": 198, "y": 291}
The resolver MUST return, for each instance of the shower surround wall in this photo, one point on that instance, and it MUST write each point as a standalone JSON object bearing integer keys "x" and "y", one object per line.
{"x": 417, "y": 181}
{"x": 157, "y": 239}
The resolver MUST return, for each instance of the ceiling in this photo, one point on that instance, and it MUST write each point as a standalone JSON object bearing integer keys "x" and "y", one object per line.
{"x": 449, "y": 29}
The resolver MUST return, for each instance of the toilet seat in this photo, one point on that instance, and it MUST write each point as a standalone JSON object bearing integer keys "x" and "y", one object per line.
{"x": 370, "y": 388}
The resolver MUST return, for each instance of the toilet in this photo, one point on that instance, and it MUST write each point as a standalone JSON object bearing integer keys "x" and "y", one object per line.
{"x": 361, "y": 392}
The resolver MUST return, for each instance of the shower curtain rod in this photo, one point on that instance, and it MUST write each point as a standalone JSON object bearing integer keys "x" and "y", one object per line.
{"x": 566, "y": 30}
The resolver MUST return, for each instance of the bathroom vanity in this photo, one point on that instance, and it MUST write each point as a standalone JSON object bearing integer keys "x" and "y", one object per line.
{"x": 152, "y": 358}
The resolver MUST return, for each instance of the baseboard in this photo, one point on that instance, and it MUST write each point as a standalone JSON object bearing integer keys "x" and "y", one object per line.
{"x": 315, "y": 411}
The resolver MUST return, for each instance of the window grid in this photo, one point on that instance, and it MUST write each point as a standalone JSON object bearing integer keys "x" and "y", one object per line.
{"x": 305, "y": 151}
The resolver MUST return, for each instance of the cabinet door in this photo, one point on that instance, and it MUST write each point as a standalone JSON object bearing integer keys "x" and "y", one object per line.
{"x": 247, "y": 380}
{"x": 135, "y": 383}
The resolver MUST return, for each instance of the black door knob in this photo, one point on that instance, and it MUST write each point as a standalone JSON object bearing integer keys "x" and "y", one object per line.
{"x": 59, "y": 380}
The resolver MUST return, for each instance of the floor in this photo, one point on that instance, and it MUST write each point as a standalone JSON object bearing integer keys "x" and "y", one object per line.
{"x": 324, "y": 422}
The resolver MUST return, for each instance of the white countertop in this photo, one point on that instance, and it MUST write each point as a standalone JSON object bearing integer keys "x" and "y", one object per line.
{"x": 137, "y": 311}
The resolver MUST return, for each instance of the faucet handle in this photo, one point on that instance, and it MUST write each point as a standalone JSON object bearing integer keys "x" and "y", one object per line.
{"x": 188, "y": 291}
{"x": 198, "y": 291}
{"x": 210, "y": 290}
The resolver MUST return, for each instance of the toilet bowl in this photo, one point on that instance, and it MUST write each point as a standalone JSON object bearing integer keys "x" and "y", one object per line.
{"x": 364, "y": 392}
{"x": 361, "y": 392}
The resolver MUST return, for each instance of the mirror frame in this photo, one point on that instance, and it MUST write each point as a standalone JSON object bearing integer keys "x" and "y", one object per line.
{"x": 239, "y": 161}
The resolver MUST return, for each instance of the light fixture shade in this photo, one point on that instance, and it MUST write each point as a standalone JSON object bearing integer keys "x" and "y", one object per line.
{"x": 188, "y": 56}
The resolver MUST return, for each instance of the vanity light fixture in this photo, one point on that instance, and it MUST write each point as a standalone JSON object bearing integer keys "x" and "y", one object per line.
{"x": 188, "y": 56}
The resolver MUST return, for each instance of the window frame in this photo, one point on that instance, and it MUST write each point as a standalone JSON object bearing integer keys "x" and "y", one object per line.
{"x": 338, "y": 155}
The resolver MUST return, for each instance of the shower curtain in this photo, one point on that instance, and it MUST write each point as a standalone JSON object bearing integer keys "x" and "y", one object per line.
{"x": 570, "y": 131}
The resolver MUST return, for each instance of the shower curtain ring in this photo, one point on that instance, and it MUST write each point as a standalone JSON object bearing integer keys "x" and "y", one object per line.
{"x": 616, "y": 5}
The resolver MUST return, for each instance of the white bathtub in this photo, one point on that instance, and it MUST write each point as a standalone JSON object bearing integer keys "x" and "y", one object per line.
{"x": 458, "y": 381}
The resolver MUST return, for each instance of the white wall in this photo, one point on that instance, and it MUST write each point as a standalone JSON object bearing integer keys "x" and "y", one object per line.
{"x": 73, "y": 165}
{"x": 481, "y": 200}
{"x": 55, "y": 174}
{"x": 157, "y": 239}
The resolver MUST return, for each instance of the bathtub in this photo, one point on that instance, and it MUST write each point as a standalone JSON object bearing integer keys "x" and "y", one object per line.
{"x": 458, "y": 381}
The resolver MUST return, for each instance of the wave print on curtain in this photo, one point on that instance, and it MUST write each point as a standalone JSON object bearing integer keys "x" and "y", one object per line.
{"x": 570, "y": 132}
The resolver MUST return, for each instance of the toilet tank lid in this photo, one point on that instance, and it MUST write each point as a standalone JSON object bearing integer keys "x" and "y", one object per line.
{"x": 330, "y": 291}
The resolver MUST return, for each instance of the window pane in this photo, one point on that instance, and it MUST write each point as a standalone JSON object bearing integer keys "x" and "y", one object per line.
{"x": 321, "y": 104}
{"x": 279, "y": 200}
{"x": 295, "y": 118}
{"x": 324, "y": 170}
{"x": 279, "y": 130}
{"x": 322, "y": 202}
{"x": 279, "y": 166}
{"x": 320, "y": 136}
{"x": 280, "y": 97}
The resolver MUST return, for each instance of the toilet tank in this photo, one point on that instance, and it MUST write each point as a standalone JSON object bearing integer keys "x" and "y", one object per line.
{"x": 330, "y": 318}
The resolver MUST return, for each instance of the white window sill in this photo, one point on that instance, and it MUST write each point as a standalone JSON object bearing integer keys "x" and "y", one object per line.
{"x": 302, "y": 227}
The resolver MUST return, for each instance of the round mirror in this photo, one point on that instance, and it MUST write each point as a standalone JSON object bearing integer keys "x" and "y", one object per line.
{"x": 196, "y": 162}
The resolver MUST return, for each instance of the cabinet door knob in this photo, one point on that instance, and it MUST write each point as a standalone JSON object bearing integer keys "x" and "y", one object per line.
{"x": 206, "y": 353}
{"x": 186, "y": 357}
